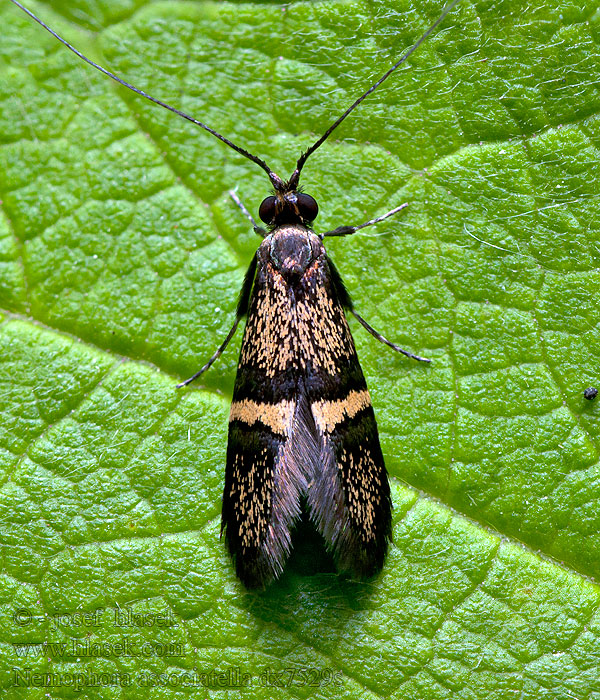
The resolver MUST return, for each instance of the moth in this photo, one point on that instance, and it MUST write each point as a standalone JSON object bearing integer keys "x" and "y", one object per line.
{"x": 302, "y": 431}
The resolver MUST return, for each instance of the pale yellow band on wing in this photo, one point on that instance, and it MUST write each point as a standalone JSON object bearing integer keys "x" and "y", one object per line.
{"x": 277, "y": 416}
{"x": 328, "y": 414}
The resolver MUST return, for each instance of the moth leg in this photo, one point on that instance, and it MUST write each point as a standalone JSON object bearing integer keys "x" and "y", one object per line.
{"x": 348, "y": 230}
{"x": 257, "y": 229}
{"x": 216, "y": 356}
{"x": 242, "y": 310}
{"x": 385, "y": 341}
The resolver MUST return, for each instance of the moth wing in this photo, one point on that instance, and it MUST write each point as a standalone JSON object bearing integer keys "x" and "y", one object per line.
{"x": 302, "y": 426}
{"x": 268, "y": 443}
{"x": 260, "y": 502}
{"x": 348, "y": 495}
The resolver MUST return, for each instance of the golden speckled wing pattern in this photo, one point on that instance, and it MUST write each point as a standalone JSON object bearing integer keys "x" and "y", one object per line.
{"x": 302, "y": 430}
{"x": 349, "y": 498}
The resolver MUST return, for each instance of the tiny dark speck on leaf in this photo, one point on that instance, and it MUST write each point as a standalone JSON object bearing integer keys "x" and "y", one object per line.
{"x": 590, "y": 393}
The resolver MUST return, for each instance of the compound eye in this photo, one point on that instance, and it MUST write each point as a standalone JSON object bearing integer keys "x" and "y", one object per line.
{"x": 266, "y": 211}
{"x": 307, "y": 206}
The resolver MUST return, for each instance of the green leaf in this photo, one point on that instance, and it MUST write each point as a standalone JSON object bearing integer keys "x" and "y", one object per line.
{"x": 121, "y": 256}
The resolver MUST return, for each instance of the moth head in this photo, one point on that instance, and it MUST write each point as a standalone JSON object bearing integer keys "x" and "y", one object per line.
{"x": 288, "y": 208}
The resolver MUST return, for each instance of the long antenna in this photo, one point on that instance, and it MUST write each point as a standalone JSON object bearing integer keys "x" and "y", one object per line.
{"x": 293, "y": 183}
{"x": 275, "y": 179}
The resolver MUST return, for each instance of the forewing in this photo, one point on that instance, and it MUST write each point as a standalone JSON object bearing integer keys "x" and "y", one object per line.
{"x": 264, "y": 476}
{"x": 348, "y": 495}
{"x": 302, "y": 425}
